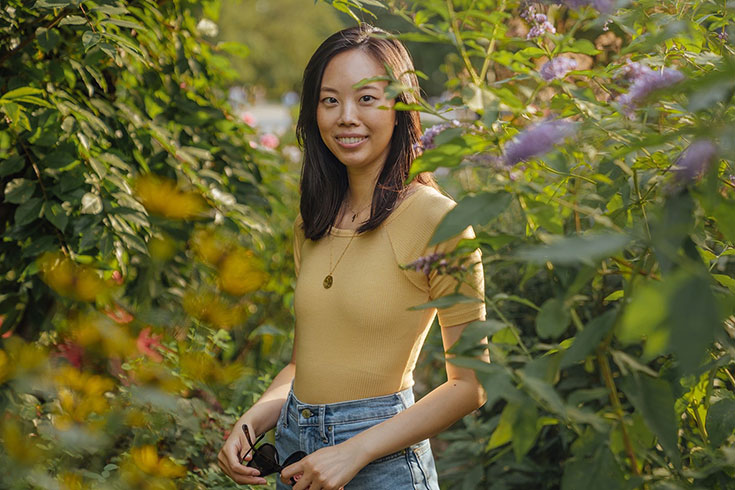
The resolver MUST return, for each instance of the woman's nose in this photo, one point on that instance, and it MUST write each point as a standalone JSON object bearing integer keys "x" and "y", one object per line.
{"x": 348, "y": 116}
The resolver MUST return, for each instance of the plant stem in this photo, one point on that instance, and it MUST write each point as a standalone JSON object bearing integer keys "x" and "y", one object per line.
{"x": 490, "y": 47}
{"x": 460, "y": 44}
{"x": 615, "y": 400}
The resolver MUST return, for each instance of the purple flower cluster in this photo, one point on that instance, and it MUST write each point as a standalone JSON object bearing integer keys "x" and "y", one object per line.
{"x": 427, "y": 139}
{"x": 539, "y": 22}
{"x": 722, "y": 35}
{"x": 436, "y": 261}
{"x": 695, "y": 160}
{"x": 645, "y": 80}
{"x": 537, "y": 140}
{"x": 557, "y": 68}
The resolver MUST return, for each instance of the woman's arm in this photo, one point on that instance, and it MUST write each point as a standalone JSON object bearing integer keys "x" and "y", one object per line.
{"x": 260, "y": 418}
{"x": 333, "y": 467}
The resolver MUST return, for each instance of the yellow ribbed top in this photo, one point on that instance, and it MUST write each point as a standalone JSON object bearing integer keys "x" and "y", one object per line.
{"x": 358, "y": 339}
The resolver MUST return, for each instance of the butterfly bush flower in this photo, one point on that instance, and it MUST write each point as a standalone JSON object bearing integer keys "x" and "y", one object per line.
{"x": 695, "y": 160}
{"x": 537, "y": 140}
{"x": 645, "y": 80}
{"x": 436, "y": 261}
{"x": 557, "y": 68}
{"x": 539, "y": 22}
{"x": 427, "y": 139}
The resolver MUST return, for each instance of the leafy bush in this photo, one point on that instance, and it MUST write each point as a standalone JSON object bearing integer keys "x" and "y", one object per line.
{"x": 143, "y": 268}
{"x": 592, "y": 147}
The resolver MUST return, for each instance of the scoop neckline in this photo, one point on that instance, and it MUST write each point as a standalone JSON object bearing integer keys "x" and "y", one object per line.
{"x": 401, "y": 206}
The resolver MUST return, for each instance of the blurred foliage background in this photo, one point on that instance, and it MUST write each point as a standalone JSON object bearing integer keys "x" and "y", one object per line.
{"x": 146, "y": 267}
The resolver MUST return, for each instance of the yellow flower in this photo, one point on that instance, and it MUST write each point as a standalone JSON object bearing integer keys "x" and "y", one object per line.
{"x": 240, "y": 273}
{"x": 81, "y": 395}
{"x": 18, "y": 445}
{"x": 146, "y": 458}
{"x": 6, "y": 371}
{"x": 209, "y": 246}
{"x": 211, "y": 309}
{"x": 71, "y": 481}
{"x": 162, "y": 196}
{"x": 75, "y": 281}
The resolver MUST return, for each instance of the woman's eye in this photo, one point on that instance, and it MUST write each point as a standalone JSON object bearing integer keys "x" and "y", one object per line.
{"x": 329, "y": 100}
{"x": 367, "y": 98}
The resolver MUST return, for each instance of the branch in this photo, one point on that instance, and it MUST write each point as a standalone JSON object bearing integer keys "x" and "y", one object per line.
{"x": 30, "y": 38}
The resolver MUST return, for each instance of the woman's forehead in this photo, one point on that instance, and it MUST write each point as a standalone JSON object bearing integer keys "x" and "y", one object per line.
{"x": 348, "y": 68}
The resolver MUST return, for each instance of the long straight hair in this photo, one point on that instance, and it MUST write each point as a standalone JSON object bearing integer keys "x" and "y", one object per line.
{"x": 324, "y": 180}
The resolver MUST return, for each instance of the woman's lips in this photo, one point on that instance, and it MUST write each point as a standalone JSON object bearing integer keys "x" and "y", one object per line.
{"x": 350, "y": 141}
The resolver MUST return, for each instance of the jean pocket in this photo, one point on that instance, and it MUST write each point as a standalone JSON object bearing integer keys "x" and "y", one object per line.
{"x": 422, "y": 465}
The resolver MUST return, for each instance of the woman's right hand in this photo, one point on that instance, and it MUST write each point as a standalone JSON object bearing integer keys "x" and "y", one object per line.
{"x": 231, "y": 455}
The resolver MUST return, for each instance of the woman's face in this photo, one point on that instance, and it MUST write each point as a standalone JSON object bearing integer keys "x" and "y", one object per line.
{"x": 350, "y": 122}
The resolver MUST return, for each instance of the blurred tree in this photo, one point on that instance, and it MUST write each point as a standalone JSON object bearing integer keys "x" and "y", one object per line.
{"x": 281, "y": 35}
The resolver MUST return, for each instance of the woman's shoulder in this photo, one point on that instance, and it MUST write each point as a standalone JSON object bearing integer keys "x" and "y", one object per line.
{"x": 425, "y": 205}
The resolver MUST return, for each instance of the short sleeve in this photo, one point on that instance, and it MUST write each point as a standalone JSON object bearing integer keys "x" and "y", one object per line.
{"x": 473, "y": 285}
{"x": 298, "y": 241}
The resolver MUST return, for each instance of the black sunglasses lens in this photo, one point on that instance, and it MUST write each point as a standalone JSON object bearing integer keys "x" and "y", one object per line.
{"x": 265, "y": 460}
{"x": 297, "y": 456}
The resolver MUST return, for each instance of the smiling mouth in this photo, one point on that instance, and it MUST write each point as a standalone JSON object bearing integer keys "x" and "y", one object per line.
{"x": 351, "y": 140}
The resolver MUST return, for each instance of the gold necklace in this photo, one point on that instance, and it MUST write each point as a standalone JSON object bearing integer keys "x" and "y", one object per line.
{"x": 329, "y": 280}
{"x": 354, "y": 214}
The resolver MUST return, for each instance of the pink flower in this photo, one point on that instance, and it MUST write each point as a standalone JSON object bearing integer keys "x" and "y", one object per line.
{"x": 248, "y": 119}
{"x": 119, "y": 315}
{"x": 72, "y": 352}
{"x": 269, "y": 140}
{"x": 147, "y": 344}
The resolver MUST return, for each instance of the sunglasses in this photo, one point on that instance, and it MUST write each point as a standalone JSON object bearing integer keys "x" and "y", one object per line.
{"x": 265, "y": 457}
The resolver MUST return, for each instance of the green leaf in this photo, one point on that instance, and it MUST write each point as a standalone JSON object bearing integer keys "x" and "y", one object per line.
{"x": 720, "y": 422}
{"x": 18, "y": 191}
{"x": 474, "y": 333}
{"x": 446, "y": 302}
{"x": 644, "y": 313}
{"x": 52, "y": 4}
{"x": 90, "y": 39}
{"x": 503, "y": 433}
{"x": 475, "y": 210}
{"x": 21, "y": 92}
{"x": 47, "y": 39}
{"x": 91, "y": 204}
{"x": 56, "y": 215}
{"x": 586, "y": 249}
{"x": 28, "y": 211}
{"x": 525, "y": 429}
{"x": 601, "y": 472}
{"x": 11, "y": 165}
{"x": 654, "y": 400}
{"x": 694, "y": 317}
{"x": 448, "y": 155}
{"x": 583, "y": 46}
{"x": 553, "y": 319}
{"x": 589, "y": 338}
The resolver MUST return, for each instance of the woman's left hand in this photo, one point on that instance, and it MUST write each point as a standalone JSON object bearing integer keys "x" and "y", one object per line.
{"x": 329, "y": 468}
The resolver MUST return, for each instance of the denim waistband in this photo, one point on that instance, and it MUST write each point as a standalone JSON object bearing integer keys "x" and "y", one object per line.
{"x": 309, "y": 414}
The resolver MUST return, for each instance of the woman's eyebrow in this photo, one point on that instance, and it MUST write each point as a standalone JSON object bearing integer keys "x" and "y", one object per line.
{"x": 334, "y": 90}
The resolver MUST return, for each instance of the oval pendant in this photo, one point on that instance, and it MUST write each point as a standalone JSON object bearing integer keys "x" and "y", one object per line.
{"x": 328, "y": 281}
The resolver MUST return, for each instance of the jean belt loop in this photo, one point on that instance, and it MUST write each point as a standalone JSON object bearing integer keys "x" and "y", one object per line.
{"x": 404, "y": 397}
{"x": 322, "y": 422}
{"x": 288, "y": 406}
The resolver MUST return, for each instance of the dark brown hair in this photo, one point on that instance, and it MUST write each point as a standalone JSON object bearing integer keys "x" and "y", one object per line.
{"x": 323, "y": 177}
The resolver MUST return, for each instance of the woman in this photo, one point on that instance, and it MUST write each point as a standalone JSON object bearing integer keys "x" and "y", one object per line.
{"x": 346, "y": 396}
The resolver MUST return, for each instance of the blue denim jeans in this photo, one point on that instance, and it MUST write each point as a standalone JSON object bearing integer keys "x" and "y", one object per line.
{"x": 305, "y": 427}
